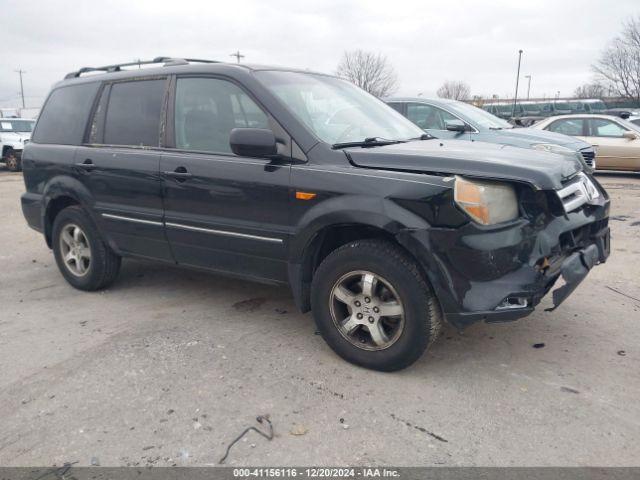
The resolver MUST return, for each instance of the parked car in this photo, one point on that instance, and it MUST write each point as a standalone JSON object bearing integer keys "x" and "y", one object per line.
{"x": 527, "y": 112}
{"x": 624, "y": 113}
{"x": 635, "y": 119}
{"x": 14, "y": 133}
{"x": 616, "y": 140}
{"x": 303, "y": 179}
{"x": 444, "y": 118}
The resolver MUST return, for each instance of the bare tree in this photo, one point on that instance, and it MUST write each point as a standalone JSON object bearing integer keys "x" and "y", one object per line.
{"x": 619, "y": 64}
{"x": 370, "y": 71}
{"x": 455, "y": 90}
{"x": 590, "y": 90}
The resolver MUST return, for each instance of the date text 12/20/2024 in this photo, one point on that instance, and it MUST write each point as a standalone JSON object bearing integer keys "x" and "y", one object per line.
{"x": 308, "y": 472}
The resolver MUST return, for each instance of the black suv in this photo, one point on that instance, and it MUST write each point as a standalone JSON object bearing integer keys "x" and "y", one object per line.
{"x": 303, "y": 179}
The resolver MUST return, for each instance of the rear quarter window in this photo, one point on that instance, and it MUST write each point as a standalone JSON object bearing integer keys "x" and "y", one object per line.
{"x": 133, "y": 113}
{"x": 64, "y": 116}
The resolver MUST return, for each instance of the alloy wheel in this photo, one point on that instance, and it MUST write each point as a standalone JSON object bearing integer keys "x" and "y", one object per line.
{"x": 75, "y": 249}
{"x": 366, "y": 310}
{"x": 11, "y": 162}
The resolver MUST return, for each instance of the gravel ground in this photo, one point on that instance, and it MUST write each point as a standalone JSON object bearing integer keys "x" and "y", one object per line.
{"x": 168, "y": 366}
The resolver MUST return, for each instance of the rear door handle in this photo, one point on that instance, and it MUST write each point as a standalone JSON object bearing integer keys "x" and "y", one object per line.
{"x": 86, "y": 165}
{"x": 179, "y": 174}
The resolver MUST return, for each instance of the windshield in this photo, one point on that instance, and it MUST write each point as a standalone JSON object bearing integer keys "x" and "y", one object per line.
{"x": 337, "y": 111}
{"x": 631, "y": 125}
{"x": 478, "y": 117}
{"x": 7, "y": 125}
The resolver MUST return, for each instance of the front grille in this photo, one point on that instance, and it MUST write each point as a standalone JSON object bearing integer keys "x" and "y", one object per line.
{"x": 589, "y": 156}
{"x": 577, "y": 192}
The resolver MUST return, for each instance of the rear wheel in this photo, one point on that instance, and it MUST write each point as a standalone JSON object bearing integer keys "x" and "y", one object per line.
{"x": 373, "y": 306}
{"x": 84, "y": 259}
{"x": 12, "y": 161}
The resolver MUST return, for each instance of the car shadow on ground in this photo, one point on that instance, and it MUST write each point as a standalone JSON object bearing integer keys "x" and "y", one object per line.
{"x": 260, "y": 303}
{"x": 617, "y": 173}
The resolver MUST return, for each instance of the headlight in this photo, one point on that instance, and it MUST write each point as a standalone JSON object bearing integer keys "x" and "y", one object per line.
{"x": 486, "y": 202}
{"x": 550, "y": 147}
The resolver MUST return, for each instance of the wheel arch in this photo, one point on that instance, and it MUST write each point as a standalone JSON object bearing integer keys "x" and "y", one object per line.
{"x": 60, "y": 193}
{"x": 319, "y": 242}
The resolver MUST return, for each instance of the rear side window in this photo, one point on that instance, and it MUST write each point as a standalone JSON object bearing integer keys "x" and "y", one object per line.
{"x": 133, "y": 113}
{"x": 64, "y": 117}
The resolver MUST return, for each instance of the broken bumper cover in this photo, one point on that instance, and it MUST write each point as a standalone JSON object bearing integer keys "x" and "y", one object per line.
{"x": 500, "y": 275}
{"x": 576, "y": 267}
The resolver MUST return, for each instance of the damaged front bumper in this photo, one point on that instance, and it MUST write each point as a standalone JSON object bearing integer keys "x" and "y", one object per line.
{"x": 500, "y": 275}
{"x": 576, "y": 267}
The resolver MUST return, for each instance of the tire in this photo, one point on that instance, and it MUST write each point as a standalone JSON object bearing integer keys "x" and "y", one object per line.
{"x": 397, "y": 281}
{"x": 94, "y": 272}
{"x": 12, "y": 161}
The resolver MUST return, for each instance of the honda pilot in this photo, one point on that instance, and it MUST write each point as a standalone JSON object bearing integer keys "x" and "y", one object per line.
{"x": 298, "y": 178}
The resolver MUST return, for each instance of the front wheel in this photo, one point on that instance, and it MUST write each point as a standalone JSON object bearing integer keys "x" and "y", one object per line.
{"x": 373, "y": 307}
{"x": 12, "y": 161}
{"x": 83, "y": 258}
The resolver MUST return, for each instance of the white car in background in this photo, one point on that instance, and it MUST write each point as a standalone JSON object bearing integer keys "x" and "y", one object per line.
{"x": 635, "y": 119}
{"x": 14, "y": 132}
{"x": 617, "y": 141}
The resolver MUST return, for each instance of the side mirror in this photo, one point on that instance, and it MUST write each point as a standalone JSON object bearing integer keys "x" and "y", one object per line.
{"x": 253, "y": 142}
{"x": 455, "y": 126}
{"x": 629, "y": 135}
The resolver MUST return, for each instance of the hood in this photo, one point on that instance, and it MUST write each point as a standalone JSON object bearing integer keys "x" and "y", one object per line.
{"x": 14, "y": 138}
{"x": 459, "y": 157}
{"x": 533, "y": 136}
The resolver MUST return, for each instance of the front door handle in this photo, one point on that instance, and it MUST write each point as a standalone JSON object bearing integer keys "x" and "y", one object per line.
{"x": 87, "y": 164}
{"x": 180, "y": 174}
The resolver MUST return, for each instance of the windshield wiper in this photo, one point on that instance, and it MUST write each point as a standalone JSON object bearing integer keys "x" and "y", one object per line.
{"x": 424, "y": 136}
{"x": 367, "y": 142}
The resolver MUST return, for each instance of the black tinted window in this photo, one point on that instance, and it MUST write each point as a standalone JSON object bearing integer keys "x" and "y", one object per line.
{"x": 207, "y": 109}
{"x": 396, "y": 106}
{"x": 64, "y": 117}
{"x": 133, "y": 113}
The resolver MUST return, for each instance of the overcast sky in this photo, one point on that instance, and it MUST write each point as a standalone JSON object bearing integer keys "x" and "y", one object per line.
{"x": 427, "y": 42}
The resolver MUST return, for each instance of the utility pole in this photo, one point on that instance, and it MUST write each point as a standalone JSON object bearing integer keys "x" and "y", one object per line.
{"x": 238, "y": 55}
{"x": 528, "y": 86}
{"x": 20, "y": 72}
{"x": 515, "y": 97}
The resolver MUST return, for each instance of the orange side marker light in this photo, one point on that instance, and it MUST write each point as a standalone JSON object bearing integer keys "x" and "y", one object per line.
{"x": 305, "y": 195}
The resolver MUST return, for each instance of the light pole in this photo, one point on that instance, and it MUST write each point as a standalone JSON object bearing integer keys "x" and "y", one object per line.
{"x": 528, "y": 86}
{"x": 515, "y": 97}
{"x": 20, "y": 72}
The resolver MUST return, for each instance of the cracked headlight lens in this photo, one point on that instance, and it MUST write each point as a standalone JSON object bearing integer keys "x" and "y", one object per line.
{"x": 486, "y": 202}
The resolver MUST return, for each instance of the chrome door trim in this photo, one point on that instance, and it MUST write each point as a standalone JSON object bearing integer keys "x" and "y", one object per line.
{"x": 131, "y": 219}
{"x": 223, "y": 232}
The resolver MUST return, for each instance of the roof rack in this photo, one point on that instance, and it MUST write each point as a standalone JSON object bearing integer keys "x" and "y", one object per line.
{"x": 167, "y": 61}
